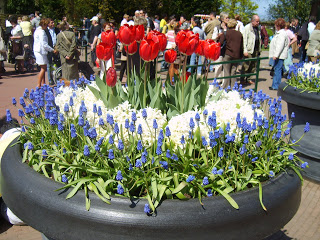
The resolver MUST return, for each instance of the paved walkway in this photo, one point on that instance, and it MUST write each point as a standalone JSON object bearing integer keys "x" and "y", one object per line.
{"x": 304, "y": 226}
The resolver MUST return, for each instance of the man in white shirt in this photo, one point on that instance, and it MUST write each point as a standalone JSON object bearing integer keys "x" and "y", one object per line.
{"x": 124, "y": 20}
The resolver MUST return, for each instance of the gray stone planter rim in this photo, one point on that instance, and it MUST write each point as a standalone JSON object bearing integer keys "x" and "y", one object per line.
{"x": 32, "y": 197}
{"x": 299, "y": 96}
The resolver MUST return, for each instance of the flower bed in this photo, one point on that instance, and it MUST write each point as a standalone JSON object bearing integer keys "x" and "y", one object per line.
{"x": 305, "y": 76}
{"x": 229, "y": 145}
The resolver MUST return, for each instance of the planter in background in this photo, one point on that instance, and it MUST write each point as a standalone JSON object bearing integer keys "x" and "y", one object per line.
{"x": 32, "y": 197}
{"x": 306, "y": 107}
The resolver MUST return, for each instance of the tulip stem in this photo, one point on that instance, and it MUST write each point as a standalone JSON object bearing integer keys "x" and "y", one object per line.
{"x": 127, "y": 67}
{"x": 197, "y": 59}
{"x": 145, "y": 86}
{"x": 180, "y": 62}
{"x": 156, "y": 68}
{"x": 208, "y": 70}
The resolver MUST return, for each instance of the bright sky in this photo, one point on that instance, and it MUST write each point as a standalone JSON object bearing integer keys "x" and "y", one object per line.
{"x": 263, "y": 7}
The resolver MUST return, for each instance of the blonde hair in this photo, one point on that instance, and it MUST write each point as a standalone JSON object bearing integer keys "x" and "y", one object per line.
{"x": 232, "y": 23}
{"x": 25, "y": 18}
{"x": 223, "y": 15}
{"x": 317, "y": 26}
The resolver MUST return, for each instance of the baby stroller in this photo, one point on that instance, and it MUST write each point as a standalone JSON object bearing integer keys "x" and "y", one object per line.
{"x": 14, "y": 49}
{"x": 29, "y": 60}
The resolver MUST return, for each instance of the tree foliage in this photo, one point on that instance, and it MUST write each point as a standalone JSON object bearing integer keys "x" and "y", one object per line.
{"x": 111, "y": 9}
{"x": 245, "y": 8}
{"x": 289, "y": 9}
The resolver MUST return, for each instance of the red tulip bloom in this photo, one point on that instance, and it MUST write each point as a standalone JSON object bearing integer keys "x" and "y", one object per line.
{"x": 158, "y": 37}
{"x": 104, "y": 51}
{"x": 97, "y": 63}
{"x": 211, "y": 49}
{"x": 132, "y": 48}
{"x": 187, "y": 42}
{"x": 199, "y": 49}
{"x": 111, "y": 77}
{"x": 149, "y": 49}
{"x": 109, "y": 38}
{"x": 218, "y": 50}
{"x": 139, "y": 32}
{"x": 127, "y": 34}
{"x": 188, "y": 74}
{"x": 170, "y": 56}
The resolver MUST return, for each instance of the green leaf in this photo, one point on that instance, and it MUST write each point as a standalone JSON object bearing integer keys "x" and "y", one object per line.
{"x": 154, "y": 188}
{"x": 87, "y": 198}
{"x": 102, "y": 191}
{"x": 181, "y": 196}
{"x": 102, "y": 86}
{"x": 95, "y": 190}
{"x": 75, "y": 189}
{"x": 181, "y": 186}
{"x": 25, "y": 153}
{"x": 254, "y": 181}
{"x": 161, "y": 190}
{"x": 228, "y": 198}
{"x": 165, "y": 179}
{"x": 150, "y": 202}
{"x": 113, "y": 101}
{"x": 95, "y": 92}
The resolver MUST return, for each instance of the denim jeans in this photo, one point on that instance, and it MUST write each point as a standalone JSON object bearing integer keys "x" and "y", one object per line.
{"x": 278, "y": 65}
{"x": 193, "y": 62}
{"x": 288, "y": 61}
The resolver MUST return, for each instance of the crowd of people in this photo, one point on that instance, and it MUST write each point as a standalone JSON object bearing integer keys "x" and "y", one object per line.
{"x": 237, "y": 41}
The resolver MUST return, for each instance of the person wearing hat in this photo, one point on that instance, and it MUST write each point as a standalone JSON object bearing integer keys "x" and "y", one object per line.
{"x": 94, "y": 33}
{"x": 124, "y": 20}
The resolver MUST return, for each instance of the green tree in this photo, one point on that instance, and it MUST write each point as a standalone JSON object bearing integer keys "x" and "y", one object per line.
{"x": 245, "y": 8}
{"x": 20, "y": 7}
{"x": 289, "y": 9}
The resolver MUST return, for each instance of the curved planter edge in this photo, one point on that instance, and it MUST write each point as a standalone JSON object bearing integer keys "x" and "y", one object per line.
{"x": 307, "y": 108}
{"x": 32, "y": 197}
{"x": 292, "y": 95}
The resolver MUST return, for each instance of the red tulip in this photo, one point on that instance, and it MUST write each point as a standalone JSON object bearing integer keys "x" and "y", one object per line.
{"x": 108, "y": 37}
{"x": 127, "y": 34}
{"x": 139, "y": 32}
{"x": 187, "y": 41}
{"x": 170, "y": 56}
{"x": 111, "y": 77}
{"x": 149, "y": 49}
{"x": 218, "y": 50}
{"x": 199, "y": 49}
{"x": 104, "y": 51}
{"x": 188, "y": 74}
{"x": 97, "y": 63}
{"x": 158, "y": 37}
{"x": 211, "y": 49}
{"x": 132, "y": 48}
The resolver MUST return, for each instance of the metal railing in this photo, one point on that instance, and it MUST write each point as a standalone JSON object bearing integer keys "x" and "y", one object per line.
{"x": 258, "y": 59}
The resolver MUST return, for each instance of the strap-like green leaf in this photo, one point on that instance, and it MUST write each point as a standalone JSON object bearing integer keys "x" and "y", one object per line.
{"x": 228, "y": 198}
{"x": 181, "y": 186}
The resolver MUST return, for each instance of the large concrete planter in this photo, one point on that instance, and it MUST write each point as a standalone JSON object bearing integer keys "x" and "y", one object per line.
{"x": 306, "y": 107}
{"x": 32, "y": 197}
